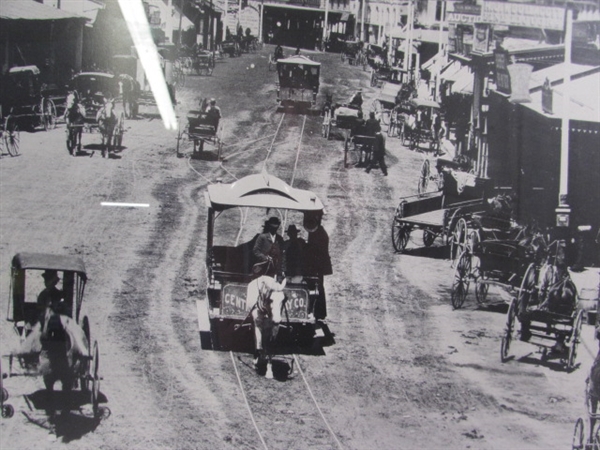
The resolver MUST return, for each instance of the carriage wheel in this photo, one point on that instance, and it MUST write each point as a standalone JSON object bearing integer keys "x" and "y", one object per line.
{"x": 460, "y": 286}
{"x": 578, "y": 435}
{"x": 84, "y": 380}
{"x": 428, "y": 237}
{"x": 11, "y": 135}
{"x": 508, "y": 330}
{"x": 575, "y": 333}
{"x": 49, "y": 113}
{"x": 528, "y": 289}
{"x": 95, "y": 379}
{"x": 346, "y": 149}
{"x": 424, "y": 177}
{"x": 481, "y": 290}
{"x": 400, "y": 235}
{"x": 373, "y": 78}
{"x": 458, "y": 239}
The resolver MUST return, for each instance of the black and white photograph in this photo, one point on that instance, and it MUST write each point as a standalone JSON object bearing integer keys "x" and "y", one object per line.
{"x": 300, "y": 224}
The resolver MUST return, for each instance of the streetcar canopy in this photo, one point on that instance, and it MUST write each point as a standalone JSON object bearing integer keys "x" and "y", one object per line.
{"x": 261, "y": 191}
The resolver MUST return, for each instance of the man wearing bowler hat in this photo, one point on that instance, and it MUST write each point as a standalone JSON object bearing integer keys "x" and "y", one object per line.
{"x": 51, "y": 296}
{"x": 268, "y": 250}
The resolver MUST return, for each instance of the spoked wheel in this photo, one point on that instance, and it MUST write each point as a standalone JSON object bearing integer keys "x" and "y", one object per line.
{"x": 346, "y": 149}
{"x": 508, "y": 330}
{"x": 373, "y": 79}
{"x": 428, "y": 237}
{"x": 578, "y": 436}
{"x": 460, "y": 285}
{"x": 424, "y": 177}
{"x": 528, "y": 290}
{"x": 481, "y": 290}
{"x": 400, "y": 235}
{"x": 49, "y": 115}
{"x": 11, "y": 136}
{"x": 85, "y": 326}
{"x": 574, "y": 341}
{"x": 458, "y": 239}
{"x": 95, "y": 379}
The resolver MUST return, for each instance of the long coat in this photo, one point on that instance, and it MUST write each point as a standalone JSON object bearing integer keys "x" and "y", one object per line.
{"x": 316, "y": 253}
{"x": 265, "y": 247}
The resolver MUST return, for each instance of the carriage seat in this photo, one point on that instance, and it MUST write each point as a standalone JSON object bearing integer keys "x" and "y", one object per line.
{"x": 233, "y": 260}
{"x": 200, "y": 122}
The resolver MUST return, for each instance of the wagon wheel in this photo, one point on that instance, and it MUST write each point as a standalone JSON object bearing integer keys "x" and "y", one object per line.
{"x": 85, "y": 326}
{"x": 527, "y": 290}
{"x": 575, "y": 334}
{"x": 424, "y": 177}
{"x": 428, "y": 237}
{"x": 373, "y": 78}
{"x": 481, "y": 289}
{"x": 49, "y": 112}
{"x": 400, "y": 235}
{"x": 460, "y": 285}
{"x": 508, "y": 330}
{"x": 11, "y": 135}
{"x": 413, "y": 140}
{"x": 458, "y": 239}
{"x": 578, "y": 435}
{"x": 95, "y": 379}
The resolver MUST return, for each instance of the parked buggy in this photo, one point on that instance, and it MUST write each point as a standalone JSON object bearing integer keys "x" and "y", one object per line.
{"x": 98, "y": 93}
{"x": 30, "y": 318}
{"x": 418, "y": 127}
{"x": 547, "y": 309}
{"x": 225, "y": 313}
{"x": 231, "y": 48}
{"x": 25, "y": 99}
{"x": 204, "y": 63}
{"x": 438, "y": 213}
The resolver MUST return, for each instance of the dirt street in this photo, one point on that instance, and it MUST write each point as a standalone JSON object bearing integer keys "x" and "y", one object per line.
{"x": 406, "y": 371}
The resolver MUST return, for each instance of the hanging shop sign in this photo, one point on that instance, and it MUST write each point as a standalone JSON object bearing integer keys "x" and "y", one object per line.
{"x": 501, "y": 62}
{"x": 481, "y": 38}
{"x": 519, "y": 82}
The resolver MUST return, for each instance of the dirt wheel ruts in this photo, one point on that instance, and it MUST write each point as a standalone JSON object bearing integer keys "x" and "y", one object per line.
{"x": 508, "y": 330}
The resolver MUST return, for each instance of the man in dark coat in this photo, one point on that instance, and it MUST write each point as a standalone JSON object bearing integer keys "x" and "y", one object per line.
{"x": 293, "y": 250}
{"x": 268, "y": 250}
{"x": 51, "y": 297}
{"x": 318, "y": 262}
{"x": 378, "y": 154}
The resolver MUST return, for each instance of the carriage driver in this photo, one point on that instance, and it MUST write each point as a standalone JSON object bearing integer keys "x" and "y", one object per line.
{"x": 356, "y": 101}
{"x": 213, "y": 113}
{"x": 268, "y": 249}
{"x": 51, "y": 297}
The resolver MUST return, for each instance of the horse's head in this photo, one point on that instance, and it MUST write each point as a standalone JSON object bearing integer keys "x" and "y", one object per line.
{"x": 271, "y": 298}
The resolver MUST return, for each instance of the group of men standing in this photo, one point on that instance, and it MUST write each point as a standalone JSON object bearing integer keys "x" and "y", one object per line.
{"x": 295, "y": 258}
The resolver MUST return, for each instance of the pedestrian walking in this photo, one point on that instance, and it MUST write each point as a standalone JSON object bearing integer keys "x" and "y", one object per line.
{"x": 378, "y": 154}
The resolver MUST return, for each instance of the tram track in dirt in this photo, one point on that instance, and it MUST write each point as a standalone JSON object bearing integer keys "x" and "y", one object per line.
{"x": 298, "y": 405}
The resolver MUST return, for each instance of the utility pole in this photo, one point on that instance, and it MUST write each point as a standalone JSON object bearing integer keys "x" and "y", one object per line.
{"x": 563, "y": 211}
{"x": 325, "y": 24}
{"x": 408, "y": 52}
{"x": 362, "y": 21}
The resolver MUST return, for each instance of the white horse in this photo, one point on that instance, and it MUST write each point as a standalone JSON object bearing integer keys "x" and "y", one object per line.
{"x": 265, "y": 299}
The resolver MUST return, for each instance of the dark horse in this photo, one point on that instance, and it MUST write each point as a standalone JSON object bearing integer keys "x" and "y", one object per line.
{"x": 63, "y": 350}
{"x": 74, "y": 117}
{"x": 265, "y": 299}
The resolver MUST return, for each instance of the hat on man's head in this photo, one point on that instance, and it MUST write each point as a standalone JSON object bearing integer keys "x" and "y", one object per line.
{"x": 292, "y": 229}
{"x": 50, "y": 275}
{"x": 273, "y": 221}
{"x": 212, "y": 101}
{"x": 372, "y": 114}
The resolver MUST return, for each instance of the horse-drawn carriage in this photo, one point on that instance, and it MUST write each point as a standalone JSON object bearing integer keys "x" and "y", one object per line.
{"x": 52, "y": 338}
{"x": 298, "y": 82}
{"x": 25, "y": 99}
{"x": 352, "y": 51}
{"x": 203, "y": 63}
{"x": 203, "y": 126}
{"x": 231, "y": 48}
{"x": 438, "y": 213}
{"x": 429, "y": 178}
{"x": 418, "y": 125}
{"x": 235, "y": 217}
{"x": 98, "y": 93}
{"x": 385, "y": 102}
{"x": 547, "y": 309}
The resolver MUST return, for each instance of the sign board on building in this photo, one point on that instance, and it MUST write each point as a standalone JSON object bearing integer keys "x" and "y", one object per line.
{"x": 481, "y": 38}
{"x": 467, "y": 8}
{"x": 501, "y": 62}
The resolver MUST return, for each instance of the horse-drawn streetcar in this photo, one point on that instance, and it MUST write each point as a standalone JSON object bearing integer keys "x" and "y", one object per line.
{"x": 46, "y": 297}
{"x": 298, "y": 82}
{"x": 243, "y": 296}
